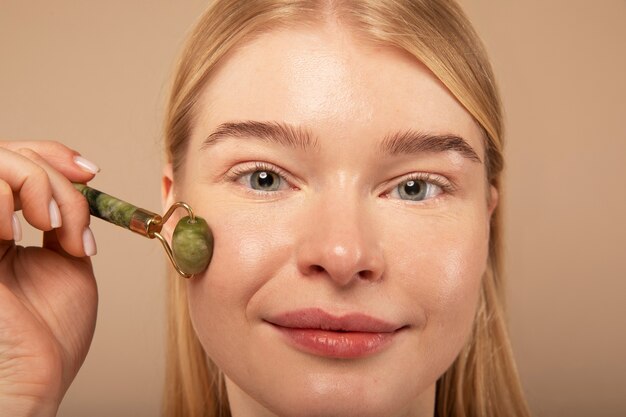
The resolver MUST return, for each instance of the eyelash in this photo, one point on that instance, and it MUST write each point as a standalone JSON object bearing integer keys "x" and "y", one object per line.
{"x": 446, "y": 185}
{"x": 440, "y": 181}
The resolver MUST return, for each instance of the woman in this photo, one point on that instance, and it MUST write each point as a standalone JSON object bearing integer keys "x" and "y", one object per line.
{"x": 347, "y": 156}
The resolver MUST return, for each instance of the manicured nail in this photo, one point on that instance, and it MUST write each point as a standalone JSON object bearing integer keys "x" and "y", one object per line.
{"x": 86, "y": 165}
{"x": 17, "y": 228}
{"x": 89, "y": 243}
{"x": 55, "y": 214}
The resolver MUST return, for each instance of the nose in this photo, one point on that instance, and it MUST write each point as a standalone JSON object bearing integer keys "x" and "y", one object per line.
{"x": 338, "y": 241}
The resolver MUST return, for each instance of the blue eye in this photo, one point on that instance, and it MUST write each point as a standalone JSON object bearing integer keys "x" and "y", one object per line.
{"x": 265, "y": 180}
{"x": 415, "y": 189}
{"x": 259, "y": 178}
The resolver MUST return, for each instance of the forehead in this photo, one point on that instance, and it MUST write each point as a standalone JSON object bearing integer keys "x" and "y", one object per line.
{"x": 340, "y": 86}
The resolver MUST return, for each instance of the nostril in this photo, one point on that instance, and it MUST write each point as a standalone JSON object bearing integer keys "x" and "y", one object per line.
{"x": 317, "y": 268}
{"x": 365, "y": 274}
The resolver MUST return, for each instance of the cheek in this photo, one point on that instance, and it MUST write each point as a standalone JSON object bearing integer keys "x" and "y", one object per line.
{"x": 440, "y": 273}
{"x": 458, "y": 263}
{"x": 250, "y": 248}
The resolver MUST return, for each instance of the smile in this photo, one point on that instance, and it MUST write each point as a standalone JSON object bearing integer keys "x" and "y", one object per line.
{"x": 317, "y": 332}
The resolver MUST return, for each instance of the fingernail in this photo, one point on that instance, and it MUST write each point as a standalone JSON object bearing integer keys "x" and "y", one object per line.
{"x": 86, "y": 165}
{"x": 17, "y": 228}
{"x": 55, "y": 214}
{"x": 89, "y": 243}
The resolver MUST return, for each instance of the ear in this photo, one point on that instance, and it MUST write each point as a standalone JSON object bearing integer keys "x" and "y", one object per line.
{"x": 494, "y": 198}
{"x": 167, "y": 196}
{"x": 167, "y": 186}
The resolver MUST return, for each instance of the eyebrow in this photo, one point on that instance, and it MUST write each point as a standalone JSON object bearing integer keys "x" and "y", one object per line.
{"x": 412, "y": 142}
{"x": 406, "y": 142}
{"x": 271, "y": 132}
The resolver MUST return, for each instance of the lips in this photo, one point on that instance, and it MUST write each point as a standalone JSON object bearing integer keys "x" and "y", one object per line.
{"x": 351, "y": 335}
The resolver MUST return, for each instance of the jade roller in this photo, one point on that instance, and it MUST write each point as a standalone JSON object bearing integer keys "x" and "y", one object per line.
{"x": 192, "y": 240}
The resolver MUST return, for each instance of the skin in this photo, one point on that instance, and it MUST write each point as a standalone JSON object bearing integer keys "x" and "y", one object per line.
{"x": 48, "y": 294}
{"x": 336, "y": 235}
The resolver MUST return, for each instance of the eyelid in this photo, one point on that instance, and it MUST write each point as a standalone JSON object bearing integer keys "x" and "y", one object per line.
{"x": 439, "y": 180}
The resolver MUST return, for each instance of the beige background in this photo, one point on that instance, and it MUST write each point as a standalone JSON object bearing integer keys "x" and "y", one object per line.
{"x": 94, "y": 74}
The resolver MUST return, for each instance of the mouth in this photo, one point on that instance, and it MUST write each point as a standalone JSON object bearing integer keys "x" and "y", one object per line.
{"x": 317, "y": 332}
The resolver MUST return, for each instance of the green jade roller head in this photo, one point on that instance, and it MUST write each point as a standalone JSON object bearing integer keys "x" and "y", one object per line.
{"x": 192, "y": 240}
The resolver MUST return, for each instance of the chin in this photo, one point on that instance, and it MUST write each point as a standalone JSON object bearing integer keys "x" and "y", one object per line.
{"x": 333, "y": 398}
{"x": 327, "y": 407}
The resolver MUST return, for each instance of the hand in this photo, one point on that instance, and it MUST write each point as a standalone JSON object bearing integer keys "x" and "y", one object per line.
{"x": 48, "y": 294}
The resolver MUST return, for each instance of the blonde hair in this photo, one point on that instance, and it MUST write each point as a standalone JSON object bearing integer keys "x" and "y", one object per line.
{"x": 483, "y": 380}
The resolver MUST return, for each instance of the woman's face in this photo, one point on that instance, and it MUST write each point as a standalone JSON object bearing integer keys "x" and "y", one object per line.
{"x": 347, "y": 195}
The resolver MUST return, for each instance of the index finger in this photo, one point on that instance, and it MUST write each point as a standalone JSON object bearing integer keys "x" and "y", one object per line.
{"x": 64, "y": 159}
